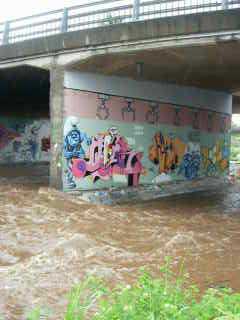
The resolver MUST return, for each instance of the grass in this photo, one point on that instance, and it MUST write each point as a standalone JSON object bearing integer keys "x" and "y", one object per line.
{"x": 235, "y": 147}
{"x": 165, "y": 298}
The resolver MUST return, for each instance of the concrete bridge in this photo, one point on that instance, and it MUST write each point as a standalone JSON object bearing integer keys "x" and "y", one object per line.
{"x": 153, "y": 82}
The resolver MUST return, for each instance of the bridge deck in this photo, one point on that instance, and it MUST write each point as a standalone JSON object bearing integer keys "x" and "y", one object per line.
{"x": 104, "y": 12}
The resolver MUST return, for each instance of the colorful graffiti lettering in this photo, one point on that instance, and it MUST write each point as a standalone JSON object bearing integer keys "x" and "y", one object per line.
{"x": 172, "y": 155}
{"x": 166, "y": 152}
{"x": 215, "y": 159}
{"x": 107, "y": 154}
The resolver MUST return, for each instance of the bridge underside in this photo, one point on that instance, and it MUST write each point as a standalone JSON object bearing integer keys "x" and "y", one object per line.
{"x": 25, "y": 124}
{"x": 215, "y": 66}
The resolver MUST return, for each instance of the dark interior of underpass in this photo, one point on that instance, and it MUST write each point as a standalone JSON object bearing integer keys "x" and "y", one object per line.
{"x": 24, "y": 124}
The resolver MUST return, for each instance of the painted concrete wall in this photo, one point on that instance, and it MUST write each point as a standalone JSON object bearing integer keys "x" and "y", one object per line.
{"x": 120, "y": 132}
{"x": 24, "y": 140}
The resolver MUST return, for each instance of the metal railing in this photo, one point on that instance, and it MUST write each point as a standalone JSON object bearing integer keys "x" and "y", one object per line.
{"x": 103, "y": 12}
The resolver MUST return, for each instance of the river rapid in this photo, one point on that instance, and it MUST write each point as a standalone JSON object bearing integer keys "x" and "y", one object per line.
{"x": 49, "y": 241}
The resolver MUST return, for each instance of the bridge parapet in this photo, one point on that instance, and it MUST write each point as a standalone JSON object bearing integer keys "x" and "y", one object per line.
{"x": 102, "y": 13}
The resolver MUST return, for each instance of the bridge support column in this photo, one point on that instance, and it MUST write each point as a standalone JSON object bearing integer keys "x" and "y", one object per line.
{"x": 56, "y": 114}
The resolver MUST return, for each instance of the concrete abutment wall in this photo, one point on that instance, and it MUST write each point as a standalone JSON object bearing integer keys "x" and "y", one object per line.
{"x": 121, "y": 133}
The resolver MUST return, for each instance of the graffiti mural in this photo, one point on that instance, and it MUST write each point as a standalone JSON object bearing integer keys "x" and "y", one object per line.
{"x": 191, "y": 163}
{"x": 216, "y": 158}
{"x": 107, "y": 154}
{"x": 24, "y": 141}
{"x": 73, "y": 149}
{"x": 191, "y": 160}
{"x": 166, "y": 152}
{"x": 113, "y": 141}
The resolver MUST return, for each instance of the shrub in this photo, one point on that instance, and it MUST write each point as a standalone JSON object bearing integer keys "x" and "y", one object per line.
{"x": 149, "y": 298}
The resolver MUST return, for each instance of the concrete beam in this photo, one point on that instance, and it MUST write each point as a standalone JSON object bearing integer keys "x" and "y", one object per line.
{"x": 197, "y": 62}
{"x": 37, "y": 62}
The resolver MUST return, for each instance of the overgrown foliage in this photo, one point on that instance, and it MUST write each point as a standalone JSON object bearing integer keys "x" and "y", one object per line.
{"x": 165, "y": 298}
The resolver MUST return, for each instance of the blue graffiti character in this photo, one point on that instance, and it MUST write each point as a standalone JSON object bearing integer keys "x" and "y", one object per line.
{"x": 190, "y": 165}
{"x": 73, "y": 144}
{"x": 73, "y": 148}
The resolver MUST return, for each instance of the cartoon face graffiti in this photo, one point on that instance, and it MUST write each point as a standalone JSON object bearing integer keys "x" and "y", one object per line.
{"x": 73, "y": 144}
{"x": 73, "y": 138}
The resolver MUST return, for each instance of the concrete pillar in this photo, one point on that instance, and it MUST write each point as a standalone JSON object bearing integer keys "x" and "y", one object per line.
{"x": 56, "y": 116}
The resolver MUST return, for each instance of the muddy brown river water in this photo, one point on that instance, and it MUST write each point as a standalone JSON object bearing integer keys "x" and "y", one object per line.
{"x": 50, "y": 241}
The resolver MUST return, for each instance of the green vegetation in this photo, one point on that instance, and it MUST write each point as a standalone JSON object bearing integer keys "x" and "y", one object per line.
{"x": 112, "y": 19}
{"x": 235, "y": 147}
{"x": 166, "y": 298}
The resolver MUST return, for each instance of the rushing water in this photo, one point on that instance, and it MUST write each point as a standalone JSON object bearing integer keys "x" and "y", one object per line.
{"x": 50, "y": 240}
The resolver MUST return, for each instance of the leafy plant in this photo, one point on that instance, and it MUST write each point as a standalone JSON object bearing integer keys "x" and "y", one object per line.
{"x": 35, "y": 314}
{"x": 83, "y": 298}
{"x": 113, "y": 19}
{"x": 166, "y": 298}
{"x": 235, "y": 147}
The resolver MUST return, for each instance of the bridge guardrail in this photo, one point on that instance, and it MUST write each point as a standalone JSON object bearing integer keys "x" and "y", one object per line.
{"x": 103, "y": 12}
{"x": 1, "y": 32}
